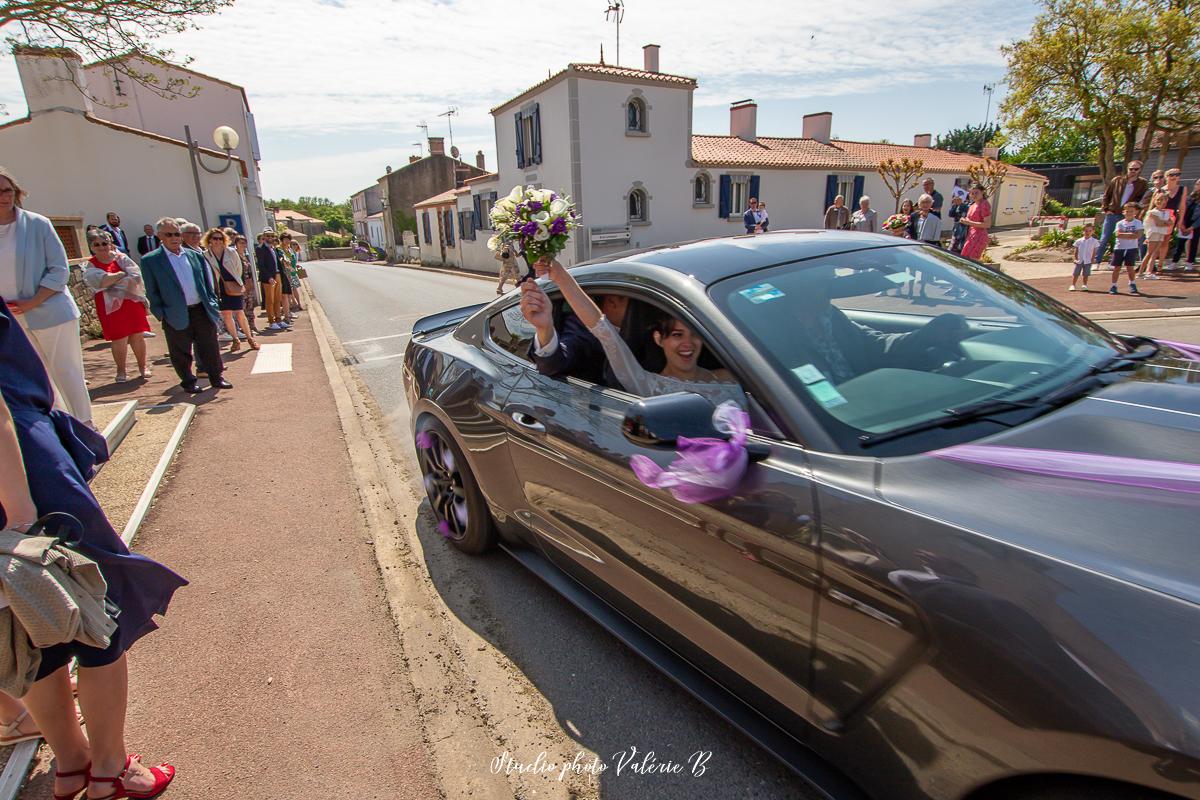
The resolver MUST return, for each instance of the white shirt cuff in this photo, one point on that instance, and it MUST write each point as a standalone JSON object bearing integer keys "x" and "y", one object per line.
{"x": 551, "y": 346}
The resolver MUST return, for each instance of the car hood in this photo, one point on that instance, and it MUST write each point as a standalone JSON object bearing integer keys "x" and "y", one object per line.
{"x": 1110, "y": 483}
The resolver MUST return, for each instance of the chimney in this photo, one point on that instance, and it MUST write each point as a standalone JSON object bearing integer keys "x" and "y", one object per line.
{"x": 818, "y": 126}
{"x": 413, "y": 159}
{"x": 479, "y": 160}
{"x": 743, "y": 118}
{"x": 650, "y": 54}
{"x": 923, "y": 140}
{"x": 437, "y": 146}
{"x": 52, "y": 78}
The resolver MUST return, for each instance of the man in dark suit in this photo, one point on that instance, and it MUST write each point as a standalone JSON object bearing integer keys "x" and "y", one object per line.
{"x": 750, "y": 218}
{"x": 268, "y": 276}
{"x": 148, "y": 241}
{"x": 573, "y": 351}
{"x": 181, "y": 298}
{"x": 112, "y": 225}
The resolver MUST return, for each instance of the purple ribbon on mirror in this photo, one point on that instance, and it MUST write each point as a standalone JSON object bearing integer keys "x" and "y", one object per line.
{"x": 706, "y": 469}
{"x": 1189, "y": 350}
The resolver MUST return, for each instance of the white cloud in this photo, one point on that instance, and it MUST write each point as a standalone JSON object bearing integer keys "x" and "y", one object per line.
{"x": 374, "y": 69}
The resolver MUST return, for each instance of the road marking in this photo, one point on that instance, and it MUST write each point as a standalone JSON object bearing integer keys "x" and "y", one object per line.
{"x": 380, "y": 358}
{"x": 378, "y": 338}
{"x": 273, "y": 358}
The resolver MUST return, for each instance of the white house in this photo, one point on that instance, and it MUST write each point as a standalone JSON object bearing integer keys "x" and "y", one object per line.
{"x": 77, "y": 166}
{"x": 619, "y": 141}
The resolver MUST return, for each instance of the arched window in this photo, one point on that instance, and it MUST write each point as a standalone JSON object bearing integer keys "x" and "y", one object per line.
{"x": 635, "y": 115}
{"x": 637, "y": 206}
{"x": 702, "y": 190}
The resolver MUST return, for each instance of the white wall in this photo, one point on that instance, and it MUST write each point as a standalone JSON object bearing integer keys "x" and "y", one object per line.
{"x": 432, "y": 253}
{"x": 73, "y": 167}
{"x": 214, "y": 104}
{"x": 375, "y": 232}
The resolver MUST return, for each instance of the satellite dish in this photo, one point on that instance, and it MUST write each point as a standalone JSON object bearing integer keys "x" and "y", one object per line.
{"x": 453, "y": 152}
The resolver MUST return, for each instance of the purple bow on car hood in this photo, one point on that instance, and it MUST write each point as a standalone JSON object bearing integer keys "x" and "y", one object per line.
{"x": 1170, "y": 476}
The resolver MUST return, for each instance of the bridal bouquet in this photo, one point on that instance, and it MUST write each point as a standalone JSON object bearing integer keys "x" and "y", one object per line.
{"x": 537, "y": 222}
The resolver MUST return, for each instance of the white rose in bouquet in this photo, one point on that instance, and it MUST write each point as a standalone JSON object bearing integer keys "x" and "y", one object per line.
{"x": 541, "y": 217}
{"x": 543, "y": 233}
{"x": 558, "y": 207}
{"x": 516, "y": 195}
{"x": 494, "y": 243}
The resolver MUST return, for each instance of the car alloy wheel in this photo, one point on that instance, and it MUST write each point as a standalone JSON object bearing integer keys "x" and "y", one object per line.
{"x": 462, "y": 514}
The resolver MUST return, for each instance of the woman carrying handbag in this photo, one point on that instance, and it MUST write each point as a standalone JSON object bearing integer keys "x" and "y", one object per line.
{"x": 226, "y": 268}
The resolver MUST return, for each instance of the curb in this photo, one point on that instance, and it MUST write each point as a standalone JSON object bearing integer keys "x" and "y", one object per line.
{"x": 160, "y": 470}
{"x": 17, "y": 768}
{"x": 120, "y": 426}
{"x": 1163, "y": 313}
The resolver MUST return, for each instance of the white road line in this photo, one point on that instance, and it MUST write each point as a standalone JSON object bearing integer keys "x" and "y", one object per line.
{"x": 377, "y": 338}
{"x": 273, "y": 358}
{"x": 380, "y": 358}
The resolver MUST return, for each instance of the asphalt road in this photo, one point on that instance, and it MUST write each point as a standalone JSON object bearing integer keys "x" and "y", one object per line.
{"x": 604, "y": 699}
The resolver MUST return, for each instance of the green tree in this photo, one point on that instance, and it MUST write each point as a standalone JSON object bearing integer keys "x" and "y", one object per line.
{"x": 970, "y": 139}
{"x": 108, "y": 30}
{"x": 1069, "y": 142}
{"x": 1107, "y": 69}
{"x": 338, "y": 217}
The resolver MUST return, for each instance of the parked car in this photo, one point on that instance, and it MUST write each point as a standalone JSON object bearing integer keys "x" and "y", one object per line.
{"x": 963, "y": 563}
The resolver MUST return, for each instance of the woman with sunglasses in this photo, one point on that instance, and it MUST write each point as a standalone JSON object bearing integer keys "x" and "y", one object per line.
{"x": 120, "y": 301}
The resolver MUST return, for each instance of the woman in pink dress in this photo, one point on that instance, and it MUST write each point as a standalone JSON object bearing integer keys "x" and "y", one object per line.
{"x": 978, "y": 220}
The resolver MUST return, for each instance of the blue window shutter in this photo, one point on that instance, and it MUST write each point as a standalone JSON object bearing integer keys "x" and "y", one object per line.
{"x": 859, "y": 184}
{"x": 478, "y": 220}
{"x": 537, "y": 134}
{"x": 754, "y": 187}
{"x": 520, "y": 144}
{"x": 425, "y": 224}
{"x": 726, "y": 196}
{"x": 831, "y": 183}
{"x": 449, "y": 224}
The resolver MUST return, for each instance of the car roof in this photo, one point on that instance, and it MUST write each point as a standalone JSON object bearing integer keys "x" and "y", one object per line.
{"x": 714, "y": 259}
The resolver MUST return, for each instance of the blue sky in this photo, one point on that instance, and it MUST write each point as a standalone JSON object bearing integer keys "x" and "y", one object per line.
{"x": 344, "y": 83}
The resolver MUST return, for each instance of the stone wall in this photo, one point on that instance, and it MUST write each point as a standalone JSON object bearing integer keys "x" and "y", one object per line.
{"x": 85, "y": 298}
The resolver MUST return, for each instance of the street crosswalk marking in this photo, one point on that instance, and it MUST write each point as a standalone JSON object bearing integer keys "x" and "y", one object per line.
{"x": 273, "y": 358}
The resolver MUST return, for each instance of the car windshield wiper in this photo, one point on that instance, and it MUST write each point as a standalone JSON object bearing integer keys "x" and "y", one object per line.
{"x": 1118, "y": 362}
{"x": 959, "y": 415}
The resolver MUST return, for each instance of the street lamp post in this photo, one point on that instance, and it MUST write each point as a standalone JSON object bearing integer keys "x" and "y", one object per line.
{"x": 225, "y": 138}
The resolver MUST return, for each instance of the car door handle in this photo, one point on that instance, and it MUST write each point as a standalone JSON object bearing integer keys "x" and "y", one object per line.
{"x": 528, "y": 422}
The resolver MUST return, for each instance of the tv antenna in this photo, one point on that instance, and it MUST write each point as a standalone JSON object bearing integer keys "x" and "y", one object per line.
{"x": 988, "y": 88}
{"x": 424, "y": 127}
{"x": 616, "y": 13}
{"x": 449, "y": 115}
{"x": 420, "y": 148}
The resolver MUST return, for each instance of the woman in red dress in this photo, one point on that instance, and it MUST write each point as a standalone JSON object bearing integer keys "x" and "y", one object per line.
{"x": 977, "y": 220}
{"x": 120, "y": 301}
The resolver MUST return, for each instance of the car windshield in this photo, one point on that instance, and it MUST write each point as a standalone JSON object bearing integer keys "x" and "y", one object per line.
{"x": 882, "y": 339}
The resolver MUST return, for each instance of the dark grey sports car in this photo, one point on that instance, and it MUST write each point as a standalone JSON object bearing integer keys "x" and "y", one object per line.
{"x": 964, "y": 559}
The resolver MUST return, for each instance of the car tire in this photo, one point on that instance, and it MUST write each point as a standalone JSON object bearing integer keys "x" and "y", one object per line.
{"x": 462, "y": 514}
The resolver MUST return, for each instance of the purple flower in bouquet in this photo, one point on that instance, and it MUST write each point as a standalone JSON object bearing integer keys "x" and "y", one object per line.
{"x": 536, "y": 222}
{"x": 706, "y": 469}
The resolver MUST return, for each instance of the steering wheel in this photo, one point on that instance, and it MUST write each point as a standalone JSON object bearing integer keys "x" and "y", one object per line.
{"x": 947, "y": 332}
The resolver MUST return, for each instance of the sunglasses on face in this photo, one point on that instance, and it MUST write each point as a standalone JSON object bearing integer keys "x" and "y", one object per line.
{"x": 169, "y": 235}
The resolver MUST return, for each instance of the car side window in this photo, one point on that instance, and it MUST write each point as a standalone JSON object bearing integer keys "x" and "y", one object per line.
{"x": 511, "y": 331}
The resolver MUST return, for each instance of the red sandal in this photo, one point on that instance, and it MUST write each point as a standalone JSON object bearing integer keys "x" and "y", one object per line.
{"x": 163, "y": 775}
{"x": 86, "y": 771}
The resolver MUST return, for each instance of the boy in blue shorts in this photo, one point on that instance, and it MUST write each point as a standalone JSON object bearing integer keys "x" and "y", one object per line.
{"x": 1125, "y": 253}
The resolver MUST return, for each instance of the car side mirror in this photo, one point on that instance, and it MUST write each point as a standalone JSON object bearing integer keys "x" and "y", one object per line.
{"x": 661, "y": 421}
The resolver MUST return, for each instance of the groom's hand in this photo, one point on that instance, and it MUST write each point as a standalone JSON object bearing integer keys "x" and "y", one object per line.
{"x": 536, "y": 308}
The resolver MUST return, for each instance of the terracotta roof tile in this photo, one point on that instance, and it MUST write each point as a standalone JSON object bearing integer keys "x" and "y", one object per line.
{"x": 288, "y": 214}
{"x": 445, "y": 198}
{"x": 794, "y": 153}
{"x": 602, "y": 69}
{"x": 491, "y": 176}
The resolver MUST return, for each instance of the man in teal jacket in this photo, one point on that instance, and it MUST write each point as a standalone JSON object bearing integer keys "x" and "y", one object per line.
{"x": 181, "y": 297}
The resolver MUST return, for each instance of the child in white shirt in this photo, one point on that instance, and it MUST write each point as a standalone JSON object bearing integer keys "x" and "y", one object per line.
{"x": 1159, "y": 220}
{"x": 1125, "y": 251}
{"x": 1085, "y": 251}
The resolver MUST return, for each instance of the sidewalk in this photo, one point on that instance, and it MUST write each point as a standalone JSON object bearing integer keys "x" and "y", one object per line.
{"x": 277, "y": 672}
{"x": 1174, "y": 292}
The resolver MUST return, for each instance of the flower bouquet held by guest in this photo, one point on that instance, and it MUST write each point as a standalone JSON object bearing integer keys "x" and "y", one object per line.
{"x": 120, "y": 301}
{"x": 978, "y": 220}
{"x": 536, "y": 222}
{"x": 46, "y": 458}
{"x": 896, "y": 224}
